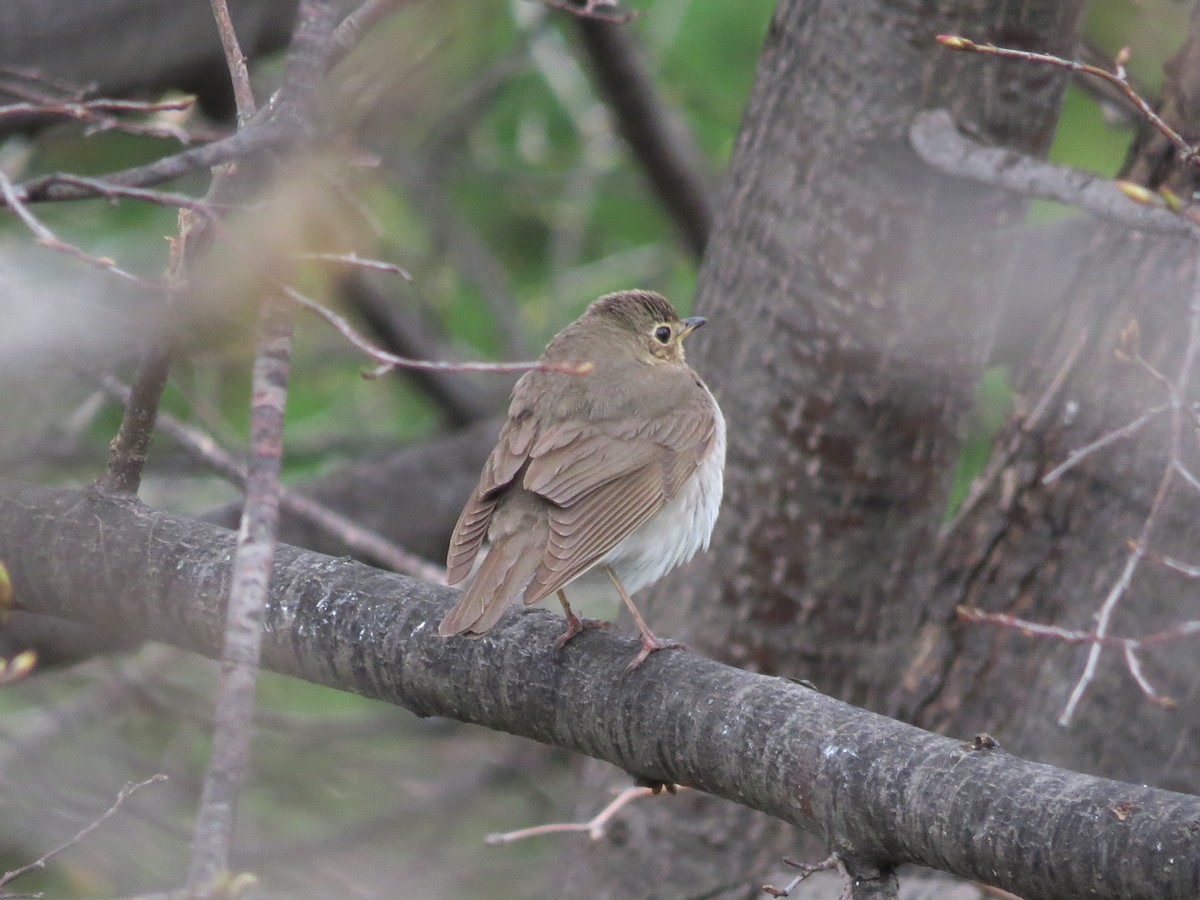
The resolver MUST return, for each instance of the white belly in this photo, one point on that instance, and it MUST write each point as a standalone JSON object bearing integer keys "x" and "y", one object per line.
{"x": 683, "y": 526}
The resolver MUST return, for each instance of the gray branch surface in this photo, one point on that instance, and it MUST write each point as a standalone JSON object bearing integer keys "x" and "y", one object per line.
{"x": 876, "y": 789}
{"x": 940, "y": 144}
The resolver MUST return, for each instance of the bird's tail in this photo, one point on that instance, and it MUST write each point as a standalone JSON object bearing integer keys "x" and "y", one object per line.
{"x": 502, "y": 576}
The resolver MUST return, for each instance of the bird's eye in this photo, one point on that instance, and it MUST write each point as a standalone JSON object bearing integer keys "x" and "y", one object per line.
{"x": 662, "y": 334}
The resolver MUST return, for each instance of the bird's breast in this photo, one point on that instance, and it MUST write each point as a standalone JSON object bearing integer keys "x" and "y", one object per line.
{"x": 683, "y": 526}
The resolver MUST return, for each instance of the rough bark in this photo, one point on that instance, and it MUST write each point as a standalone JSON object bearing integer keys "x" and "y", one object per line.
{"x": 880, "y": 791}
{"x": 852, "y": 313}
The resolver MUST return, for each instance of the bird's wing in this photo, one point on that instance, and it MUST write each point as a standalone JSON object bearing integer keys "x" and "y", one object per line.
{"x": 605, "y": 480}
{"x": 505, "y": 461}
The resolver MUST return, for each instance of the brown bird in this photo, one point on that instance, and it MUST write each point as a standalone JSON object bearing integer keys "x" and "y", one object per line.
{"x": 619, "y": 470}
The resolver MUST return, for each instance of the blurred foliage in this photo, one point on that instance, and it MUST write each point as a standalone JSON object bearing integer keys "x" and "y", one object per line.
{"x": 485, "y": 112}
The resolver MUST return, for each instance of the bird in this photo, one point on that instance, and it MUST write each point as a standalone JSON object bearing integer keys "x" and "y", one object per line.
{"x": 618, "y": 471}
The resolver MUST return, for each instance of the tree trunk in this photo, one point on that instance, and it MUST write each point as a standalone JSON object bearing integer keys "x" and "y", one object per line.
{"x": 852, "y": 302}
{"x": 1054, "y": 553}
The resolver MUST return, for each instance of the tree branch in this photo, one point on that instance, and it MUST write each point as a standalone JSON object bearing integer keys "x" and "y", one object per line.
{"x": 940, "y": 144}
{"x": 252, "y": 566}
{"x": 875, "y": 789}
{"x": 669, "y": 158}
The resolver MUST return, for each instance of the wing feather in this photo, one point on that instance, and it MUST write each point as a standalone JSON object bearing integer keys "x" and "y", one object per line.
{"x": 603, "y": 479}
{"x": 581, "y": 536}
{"x": 607, "y": 480}
{"x": 501, "y": 469}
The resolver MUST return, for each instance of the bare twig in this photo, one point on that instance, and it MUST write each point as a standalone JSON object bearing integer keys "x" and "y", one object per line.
{"x": 1175, "y": 565}
{"x": 128, "y": 451}
{"x": 1103, "y": 441}
{"x": 243, "y": 94}
{"x": 353, "y": 259}
{"x": 47, "y": 238}
{"x": 1130, "y": 647}
{"x": 1119, "y": 78}
{"x": 389, "y": 361}
{"x": 595, "y": 827}
{"x": 258, "y": 537}
{"x": 806, "y": 869}
{"x": 399, "y": 329}
{"x": 110, "y": 191}
{"x": 265, "y": 135}
{"x": 1179, "y": 411}
{"x": 669, "y": 157}
{"x": 40, "y": 863}
{"x": 371, "y": 544}
{"x": 104, "y": 114}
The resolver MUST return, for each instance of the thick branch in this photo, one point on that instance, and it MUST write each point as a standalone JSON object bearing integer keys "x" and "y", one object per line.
{"x": 939, "y": 143}
{"x": 876, "y": 789}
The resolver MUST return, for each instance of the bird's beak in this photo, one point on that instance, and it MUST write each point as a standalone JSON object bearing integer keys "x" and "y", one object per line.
{"x": 690, "y": 324}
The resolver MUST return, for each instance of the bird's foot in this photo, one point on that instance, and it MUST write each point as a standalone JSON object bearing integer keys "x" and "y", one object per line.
{"x": 652, "y": 644}
{"x": 576, "y": 625}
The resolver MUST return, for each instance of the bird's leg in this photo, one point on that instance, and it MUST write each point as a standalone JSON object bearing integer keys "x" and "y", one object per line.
{"x": 650, "y": 642}
{"x": 575, "y": 625}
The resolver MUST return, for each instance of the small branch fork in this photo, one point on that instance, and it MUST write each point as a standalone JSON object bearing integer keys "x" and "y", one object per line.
{"x": 595, "y": 827}
{"x": 40, "y": 863}
{"x": 1182, "y": 419}
{"x": 37, "y": 97}
{"x": 806, "y": 869}
{"x": 1119, "y": 78}
{"x": 47, "y": 238}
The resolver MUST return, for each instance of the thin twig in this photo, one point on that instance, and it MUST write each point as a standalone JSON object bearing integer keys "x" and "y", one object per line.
{"x": 1135, "y": 669}
{"x": 1166, "y": 483}
{"x": 1118, "y": 78}
{"x": 205, "y": 449}
{"x": 1100, "y": 443}
{"x": 243, "y": 94}
{"x": 595, "y": 826}
{"x": 661, "y": 143}
{"x": 353, "y": 259}
{"x": 110, "y": 191}
{"x": 1175, "y": 565}
{"x": 833, "y": 861}
{"x": 40, "y": 863}
{"x": 389, "y": 361}
{"x": 129, "y": 449}
{"x": 47, "y": 238}
{"x": 252, "y": 564}
{"x": 258, "y": 536}
{"x": 264, "y": 135}
{"x": 104, "y": 115}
